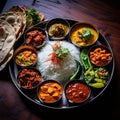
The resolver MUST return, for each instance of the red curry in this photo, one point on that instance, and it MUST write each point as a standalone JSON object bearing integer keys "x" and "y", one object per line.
{"x": 77, "y": 92}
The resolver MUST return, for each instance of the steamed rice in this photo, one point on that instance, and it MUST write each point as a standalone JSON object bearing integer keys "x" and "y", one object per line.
{"x": 62, "y": 71}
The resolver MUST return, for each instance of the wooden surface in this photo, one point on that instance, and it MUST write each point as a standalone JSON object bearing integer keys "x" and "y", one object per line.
{"x": 102, "y": 13}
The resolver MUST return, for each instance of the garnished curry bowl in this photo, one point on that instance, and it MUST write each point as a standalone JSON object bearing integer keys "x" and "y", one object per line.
{"x": 83, "y": 34}
{"x": 50, "y": 92}
{"x": 57, "y": 28}
{"x": 25, "y": 56}
{"x": 36, "y": 37}
{"x": 29, "y": 78}
{"x": 100, "y": 55}
{"x": 77, "y": 92}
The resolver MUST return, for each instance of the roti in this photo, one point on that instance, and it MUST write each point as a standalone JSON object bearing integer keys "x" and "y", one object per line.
{"x": 7, "y": 39}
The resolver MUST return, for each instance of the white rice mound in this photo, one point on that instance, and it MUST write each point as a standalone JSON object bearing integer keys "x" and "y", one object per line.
{"x": 62, "y": 71}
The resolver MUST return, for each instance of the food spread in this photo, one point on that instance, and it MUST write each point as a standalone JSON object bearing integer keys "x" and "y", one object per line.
{"x": 62, "y": 61}
{"x": 57, "y": 53}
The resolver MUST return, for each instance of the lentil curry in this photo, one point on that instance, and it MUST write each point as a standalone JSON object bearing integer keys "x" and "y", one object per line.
{"x": 83, "y": 35}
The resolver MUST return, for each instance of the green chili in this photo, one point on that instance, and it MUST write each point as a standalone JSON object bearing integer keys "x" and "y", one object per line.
{"x": 85, "y": 59}
{"x": 77, "y": 71}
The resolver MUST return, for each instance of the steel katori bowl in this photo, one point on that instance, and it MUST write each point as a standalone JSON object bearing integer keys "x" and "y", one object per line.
{"x": 83, "y": 34}
{"x": 57, "y": 28}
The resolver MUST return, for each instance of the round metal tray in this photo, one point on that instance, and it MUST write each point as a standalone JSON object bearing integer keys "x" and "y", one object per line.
{"x": 32, "y": 96}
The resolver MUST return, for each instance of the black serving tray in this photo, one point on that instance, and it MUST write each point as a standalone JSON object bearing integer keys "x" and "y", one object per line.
{"x": 32, "y": 96}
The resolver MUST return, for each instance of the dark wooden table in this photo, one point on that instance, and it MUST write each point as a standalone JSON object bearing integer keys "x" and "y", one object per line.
{"x": 105, "y": 14}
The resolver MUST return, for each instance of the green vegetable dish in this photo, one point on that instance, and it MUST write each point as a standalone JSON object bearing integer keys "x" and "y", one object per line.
{"x": 96, "y": 77}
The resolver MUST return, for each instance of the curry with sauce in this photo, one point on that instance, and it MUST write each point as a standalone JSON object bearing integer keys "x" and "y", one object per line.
{"x": 29, "y": 78}
{"x": 50, "y": 91}
{"x": 83, "y": 34}
{"x": 77, "y": 92}
{"x": 25, "y": 56}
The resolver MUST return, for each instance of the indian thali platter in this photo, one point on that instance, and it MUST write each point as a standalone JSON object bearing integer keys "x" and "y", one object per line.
{"x": 62, "y": 59}
{"x": 68, "y": 77}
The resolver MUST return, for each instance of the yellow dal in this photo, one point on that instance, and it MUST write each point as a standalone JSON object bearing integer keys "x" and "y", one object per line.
{"x": 81, "y": 42}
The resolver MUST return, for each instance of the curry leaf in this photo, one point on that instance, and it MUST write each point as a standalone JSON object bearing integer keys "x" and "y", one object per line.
{"x": 86, "y": 34}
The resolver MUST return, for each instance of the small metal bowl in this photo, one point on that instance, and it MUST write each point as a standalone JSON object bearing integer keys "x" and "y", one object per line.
{"x": 83, "y": 34}
{"x": 29, "y": 78}
{"x": 36, "y": 37}
{"x": 25, "y": 56}
{"x": 100, "y": 55}
{"x": 57, "y": 28}
{"x": 77, "y": 92}
{"x": 50, "y": 92}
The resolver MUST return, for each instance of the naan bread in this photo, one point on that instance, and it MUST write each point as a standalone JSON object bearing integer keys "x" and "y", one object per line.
{"x": 14, "y": 19}
{"x": 22, "y": 15}
{"x": 7, "y": 39}
{"x": 6, "y": 60}
{"x": 3, "y": 36}
{"x": 12, "y": 26}
{"x": 17, "y": 18}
